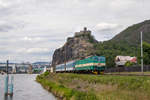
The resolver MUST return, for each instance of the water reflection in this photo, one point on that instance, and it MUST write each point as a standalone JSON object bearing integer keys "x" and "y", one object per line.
{"x": 8, "y": 97}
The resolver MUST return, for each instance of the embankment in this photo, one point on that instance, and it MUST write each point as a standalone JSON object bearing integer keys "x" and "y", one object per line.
{"x": 94, "y": 87}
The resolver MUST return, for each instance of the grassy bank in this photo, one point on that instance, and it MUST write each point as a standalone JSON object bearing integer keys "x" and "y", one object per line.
{"x": 92, "y": 87}
{"x": 130, "y": 73}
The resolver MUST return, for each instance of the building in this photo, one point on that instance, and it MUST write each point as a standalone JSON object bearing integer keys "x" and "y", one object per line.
{"x": 39, "y": 67}
{"x": 11, "y": 67}
{"x": 121, "y": 60}
{"x": 29, "y": 69}
{"x": 14, "y": 70}
{"x": 85, "y": 31}
{"x": 51, "y": 69}
{"x": 22, "y": 67}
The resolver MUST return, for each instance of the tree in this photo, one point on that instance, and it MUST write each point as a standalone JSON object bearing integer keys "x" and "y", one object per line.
{"x": 111, "y": 49}
{"x": 128, "y": 64}
{"x": 146, "y": 53}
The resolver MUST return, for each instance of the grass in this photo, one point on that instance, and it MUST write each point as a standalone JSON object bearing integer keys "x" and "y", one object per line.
{"x": 94, "y": 87}
{"x": 131, "y": 73}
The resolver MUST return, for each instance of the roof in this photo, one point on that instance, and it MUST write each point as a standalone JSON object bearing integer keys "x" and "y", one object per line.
{"x": 121, "y": 60}
{"x": 124, "y": 58}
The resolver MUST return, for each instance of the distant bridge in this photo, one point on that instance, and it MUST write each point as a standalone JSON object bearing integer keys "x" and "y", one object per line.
{"x": 3, "y": 68}
{"x": 22, "y": 68}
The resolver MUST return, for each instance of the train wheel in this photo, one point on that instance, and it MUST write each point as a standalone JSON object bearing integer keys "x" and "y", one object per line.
{"x": 102, "y": 73}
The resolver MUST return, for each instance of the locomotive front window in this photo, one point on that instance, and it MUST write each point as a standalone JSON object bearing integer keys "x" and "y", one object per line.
{"x": 101, "y": 59}
{"x": 96, "y": 59}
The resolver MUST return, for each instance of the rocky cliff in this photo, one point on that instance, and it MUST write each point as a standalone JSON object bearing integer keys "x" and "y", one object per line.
{"x": 77, "y": 47}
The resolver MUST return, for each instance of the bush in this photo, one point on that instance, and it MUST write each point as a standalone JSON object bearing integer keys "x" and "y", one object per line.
{"x": 128, "y": 64}
{"x": 46, "y": 73}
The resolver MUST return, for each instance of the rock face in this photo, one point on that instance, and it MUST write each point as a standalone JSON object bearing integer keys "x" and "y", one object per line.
{"x": 77, "y": 47}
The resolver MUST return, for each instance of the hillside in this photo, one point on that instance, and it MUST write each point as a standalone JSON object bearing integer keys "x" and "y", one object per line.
{"x": 126, "y": 43}
{"x": 131, "y": 35}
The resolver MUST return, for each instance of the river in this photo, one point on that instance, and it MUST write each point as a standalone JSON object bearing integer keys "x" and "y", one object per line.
{"x": 25, "y": 88}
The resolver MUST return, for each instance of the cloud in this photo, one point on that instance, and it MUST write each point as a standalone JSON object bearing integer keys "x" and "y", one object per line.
{"x": 26, "y": 38}
{"x": 38, "y": 50}
{"x": 122, "y": 4}
{"x": 5, "y": 28}
{"x": 106, "y": 26}
{"x": 105, "y": 31}
{"x": 4, "y": 4}
{"x": 32, "y": 29}
{"x": 33, "y": 50}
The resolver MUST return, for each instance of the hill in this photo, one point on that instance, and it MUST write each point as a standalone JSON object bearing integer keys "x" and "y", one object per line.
{"x": 126, "y": 43}
{"x": 131, "y": 35}
{"x": 41, "y": 63}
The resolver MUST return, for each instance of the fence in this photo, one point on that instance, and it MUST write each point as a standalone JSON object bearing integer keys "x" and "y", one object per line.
{"x": 127, "y": 69}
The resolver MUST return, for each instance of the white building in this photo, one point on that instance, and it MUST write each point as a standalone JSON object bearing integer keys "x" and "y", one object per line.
{"x": 121, "y": 60}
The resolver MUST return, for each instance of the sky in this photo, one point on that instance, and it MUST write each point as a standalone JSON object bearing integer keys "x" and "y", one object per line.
{"x": 31, "y": 30}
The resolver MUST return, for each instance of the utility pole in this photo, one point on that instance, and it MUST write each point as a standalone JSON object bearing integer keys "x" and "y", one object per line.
{"x": 7, "y": 67}
{"x": 142, "y": 52}
{"x": 65, "y": 56}
{"x": 8, "y": 87}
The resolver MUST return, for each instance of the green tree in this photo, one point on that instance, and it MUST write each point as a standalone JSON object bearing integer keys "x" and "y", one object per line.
{"x": 146, "y": 53}
{"x": 129, "y": 64}
{"x": 111, "y": 49}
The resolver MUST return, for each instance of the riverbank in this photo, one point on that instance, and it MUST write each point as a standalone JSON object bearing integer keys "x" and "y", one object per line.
{"x": 95, "y": 87}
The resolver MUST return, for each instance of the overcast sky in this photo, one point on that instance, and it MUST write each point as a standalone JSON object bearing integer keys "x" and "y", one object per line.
{"x": 30, "y": 30}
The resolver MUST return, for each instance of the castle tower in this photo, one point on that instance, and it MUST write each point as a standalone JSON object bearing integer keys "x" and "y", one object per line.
{"x": 84, "y": 31}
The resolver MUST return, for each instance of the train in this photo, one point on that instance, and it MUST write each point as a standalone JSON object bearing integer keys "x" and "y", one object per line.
{"x": 93, "y": 64}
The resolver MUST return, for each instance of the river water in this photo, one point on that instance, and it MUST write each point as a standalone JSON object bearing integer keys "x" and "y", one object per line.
{"x": 25, "y": 88}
